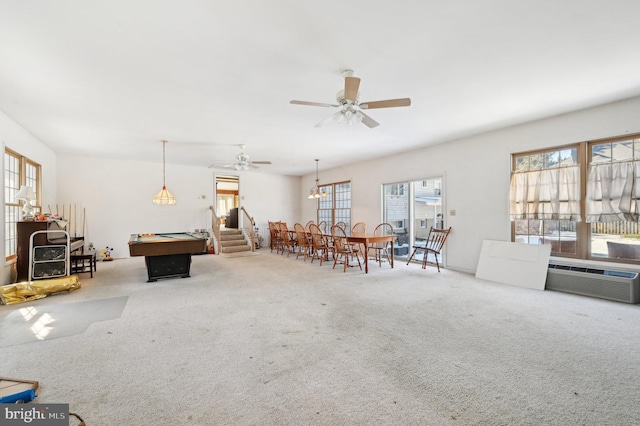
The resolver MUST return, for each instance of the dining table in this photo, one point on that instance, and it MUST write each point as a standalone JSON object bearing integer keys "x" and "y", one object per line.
{"x": 366, "y": 240}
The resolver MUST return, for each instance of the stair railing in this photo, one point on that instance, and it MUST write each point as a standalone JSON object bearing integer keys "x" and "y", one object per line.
{"x": 215, "y": 226}
{"x": 248, "y": 227}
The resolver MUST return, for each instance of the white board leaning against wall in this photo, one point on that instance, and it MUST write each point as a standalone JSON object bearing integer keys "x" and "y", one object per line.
{"x": 518, "y": 264}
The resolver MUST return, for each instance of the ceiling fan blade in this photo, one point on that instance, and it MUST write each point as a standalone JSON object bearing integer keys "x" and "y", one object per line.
{"x": 260, "y": 162}
{"x": 312, "y": 104}
{"x": 222, "y": 166}
{"x": 367, "y": 121}
{"x": 351, "y": 85}
{"x": 389, "y": 103}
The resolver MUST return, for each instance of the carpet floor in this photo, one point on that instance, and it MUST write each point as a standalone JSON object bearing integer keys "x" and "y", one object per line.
{"x": 271, "y": 340}
{"x": 32, "y": 322}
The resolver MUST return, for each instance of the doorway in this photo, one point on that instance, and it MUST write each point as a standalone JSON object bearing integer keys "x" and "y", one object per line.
{"x": 412, "y": 208}
{"x": 227, "y": 199}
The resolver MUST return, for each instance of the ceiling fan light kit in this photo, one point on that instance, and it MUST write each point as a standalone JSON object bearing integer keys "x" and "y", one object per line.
{"x": 351, "y": 107}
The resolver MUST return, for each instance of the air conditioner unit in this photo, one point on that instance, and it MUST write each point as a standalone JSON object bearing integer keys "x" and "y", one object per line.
{"x": 620, "y": 286}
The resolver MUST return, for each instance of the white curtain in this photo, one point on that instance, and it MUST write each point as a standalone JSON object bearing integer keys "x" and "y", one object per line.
{"x": 552, "y": 194}
{"x": 613, "y": 192}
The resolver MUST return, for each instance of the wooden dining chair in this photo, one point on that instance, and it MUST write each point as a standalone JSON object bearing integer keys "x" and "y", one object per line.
{"x": 275, "y": 240}
{"x": 343, "y": 251}
{"x": 326, "y": 234}
{"x": 307, "y": 225}
{"x": 323, "y": 226}
{"x": 434, "y": 244}
{"x": 342, "y": 225}
{"x": 320, "y": 250}
{"x": 304, "y": 242}
{"x": 359, "y": 228}
{"x": 381, "y": 249}
{"x": 288, "y": 242}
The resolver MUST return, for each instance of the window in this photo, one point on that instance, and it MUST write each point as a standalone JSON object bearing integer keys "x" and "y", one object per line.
{"x": 336, "y": 206}
{"x": 545, "y": 198}
{"x": 613, "y": 199}
{"x": 18, "y": 171}
{"x": 397, "y": 224}
{"x": 581, "y": 199}
{"x": 396, "y": 189}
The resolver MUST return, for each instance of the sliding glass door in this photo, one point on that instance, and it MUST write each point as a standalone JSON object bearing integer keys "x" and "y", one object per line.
{"x": 412, "y": 208}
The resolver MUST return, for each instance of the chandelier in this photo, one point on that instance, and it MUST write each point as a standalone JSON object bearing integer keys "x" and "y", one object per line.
{"x": 315, "y": 191}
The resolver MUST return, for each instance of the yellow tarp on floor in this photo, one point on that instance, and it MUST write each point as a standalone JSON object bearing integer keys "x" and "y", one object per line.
{"x": 27, "y": 291}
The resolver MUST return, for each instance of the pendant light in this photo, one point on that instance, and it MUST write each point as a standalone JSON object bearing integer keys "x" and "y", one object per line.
{"x": 164, "y": 197}
{"x": 315, "y": 191}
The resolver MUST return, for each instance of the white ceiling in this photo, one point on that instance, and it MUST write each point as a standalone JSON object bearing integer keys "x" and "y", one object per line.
{"x": 113, "y": 78}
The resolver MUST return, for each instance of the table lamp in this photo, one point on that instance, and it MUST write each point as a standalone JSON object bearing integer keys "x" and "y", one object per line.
{"x": 27, "y": 195}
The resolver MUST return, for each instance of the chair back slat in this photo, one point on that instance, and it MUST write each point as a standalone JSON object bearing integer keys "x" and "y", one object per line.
{"x": 437, "y": 238}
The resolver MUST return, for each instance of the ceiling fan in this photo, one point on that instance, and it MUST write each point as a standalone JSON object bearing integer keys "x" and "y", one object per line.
{"x": 350, "y": 105}
{"x": 242, "y": 162}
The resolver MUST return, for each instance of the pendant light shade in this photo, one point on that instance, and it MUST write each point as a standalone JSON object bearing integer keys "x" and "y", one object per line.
{"x": 164, "y": 197}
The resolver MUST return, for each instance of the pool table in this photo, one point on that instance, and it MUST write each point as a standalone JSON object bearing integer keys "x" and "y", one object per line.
{"x": 167, "y": 255}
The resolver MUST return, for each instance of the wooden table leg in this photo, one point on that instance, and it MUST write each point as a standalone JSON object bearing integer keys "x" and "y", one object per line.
{"x": 366, "y": 258}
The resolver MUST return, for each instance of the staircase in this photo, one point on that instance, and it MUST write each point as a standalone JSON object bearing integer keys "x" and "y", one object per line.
{"x": 233, "y": 241}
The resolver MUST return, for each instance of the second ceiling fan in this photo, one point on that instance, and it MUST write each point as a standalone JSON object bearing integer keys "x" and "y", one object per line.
{"x": 242, "y": 162}
{"x": 350, "y": 105}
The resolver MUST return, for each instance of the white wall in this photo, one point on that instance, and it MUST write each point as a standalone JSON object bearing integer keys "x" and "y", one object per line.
{"x": 117, "y": 197}
{"x": 270, "y": 197}
{"x": 476, "y": 174}
{"x": 15, "y": 137}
